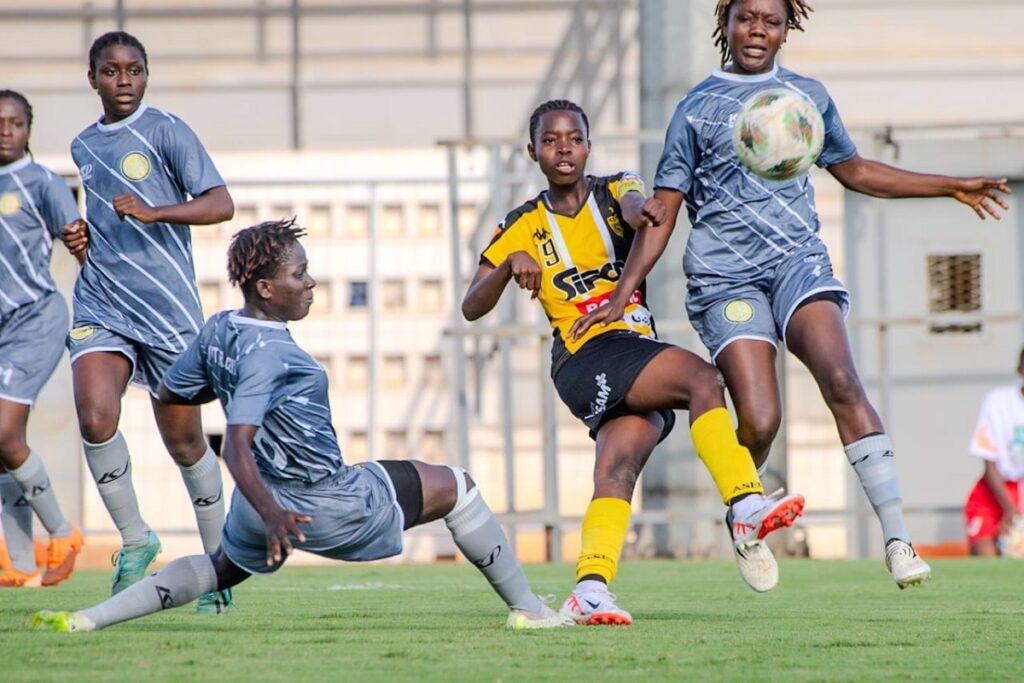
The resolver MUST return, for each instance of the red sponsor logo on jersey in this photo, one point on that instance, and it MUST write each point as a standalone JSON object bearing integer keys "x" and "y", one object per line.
{"x": 596, "y": 302}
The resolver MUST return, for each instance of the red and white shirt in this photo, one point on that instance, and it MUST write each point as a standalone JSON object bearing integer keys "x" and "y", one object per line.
{"x": 999, "y": 433}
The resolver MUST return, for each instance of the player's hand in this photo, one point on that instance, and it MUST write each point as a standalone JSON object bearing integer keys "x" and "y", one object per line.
{"x": 283, "y": 525}
{"x": 525, "y": 271}
{"x": 981, "y": 193}
{"x": 129, "y": 204}
{"x": 651, "y": 213}
{"x": 608, "y": 312}
{"x": 75, "y": 236}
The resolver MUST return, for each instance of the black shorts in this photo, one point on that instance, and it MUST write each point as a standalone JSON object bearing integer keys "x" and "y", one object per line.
{"x": 594, "y": 381}
{"x": 408, "y": 489}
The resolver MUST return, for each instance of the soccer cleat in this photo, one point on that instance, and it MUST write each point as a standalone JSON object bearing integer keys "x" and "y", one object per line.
{"x": 130, "y": 563}
{"x": 61, "y": 622}
{"x": 596, "y": 608}
{"x": 754, "y": 558}
{"x": 521, "y": 620}
{"x": 60, "y": 557}
{"x": 12, "y": 578}
{"x": 215, "y": 602}
{"x": 905, "y": 565}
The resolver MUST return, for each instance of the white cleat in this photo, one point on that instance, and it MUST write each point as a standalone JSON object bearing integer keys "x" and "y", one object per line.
{"x": 905, "y": 565}
{"x": 595, "y": 608}
{"x": 521, "y": 620}
{"x": 754, "y": 558}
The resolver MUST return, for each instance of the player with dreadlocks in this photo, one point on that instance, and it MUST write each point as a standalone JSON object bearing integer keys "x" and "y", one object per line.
{"x": 294, "y": 490}
{"x": 566, "y": 247}
{"x": 757, "y": 270}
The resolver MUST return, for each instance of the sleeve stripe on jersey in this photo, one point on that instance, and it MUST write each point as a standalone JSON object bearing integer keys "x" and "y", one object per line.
{"x": 156, "y": 245}
{"x": 27, "y": 261}
{"x": 39, "y": 217}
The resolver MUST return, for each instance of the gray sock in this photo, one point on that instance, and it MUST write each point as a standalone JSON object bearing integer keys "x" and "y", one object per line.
{"x": 873, "y": 461}
{"x": 482, "y": 540}
{"x": 111, "y": 468}
{"x": 177, "y": 584}
{"x": 16, "y": 517}
{"x": 35, "y": 484}
{"x": 206, "y": 490}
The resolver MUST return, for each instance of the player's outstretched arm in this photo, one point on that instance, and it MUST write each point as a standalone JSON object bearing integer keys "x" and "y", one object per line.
{"x": 648, "y": 246}
{"x": 213, "y": 206}
{"x": 281, "y": 524}
{"x": 888, "y": 182}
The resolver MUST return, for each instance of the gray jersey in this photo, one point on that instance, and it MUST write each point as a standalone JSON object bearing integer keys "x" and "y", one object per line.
{"x": 262, "y": 378}
{"x": 742, "y": 223}
{"x": 139, "y": 279}
{"x": 34, "y": 204}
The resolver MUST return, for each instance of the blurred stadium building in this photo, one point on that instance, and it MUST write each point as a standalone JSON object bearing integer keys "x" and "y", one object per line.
{"x": 395, "y": 130}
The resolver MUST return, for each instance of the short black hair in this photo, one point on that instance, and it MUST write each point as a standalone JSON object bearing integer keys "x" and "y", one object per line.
{"x": 256, "y": 252}
{"x": 556, "y": 105}
{"x": 795, "y": 11}
{"x": 115, "y": 38}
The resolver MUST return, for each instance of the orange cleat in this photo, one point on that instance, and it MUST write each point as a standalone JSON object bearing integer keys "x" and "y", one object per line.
{"x": 60, "y": 557}
{"x": 12, "y": 578}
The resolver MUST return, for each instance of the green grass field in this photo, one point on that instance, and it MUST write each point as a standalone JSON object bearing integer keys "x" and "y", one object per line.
{"x": 694, "y": 621}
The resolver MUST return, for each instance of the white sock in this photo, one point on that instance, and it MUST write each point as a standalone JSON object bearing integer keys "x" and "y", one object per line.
{"x": 591, "y": 586}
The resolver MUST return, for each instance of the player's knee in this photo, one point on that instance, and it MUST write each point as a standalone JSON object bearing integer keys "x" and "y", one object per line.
{"x": 185, "y": 449}
{"x": 842, "y": 387}
{"x": 12, "y": 448}
{"x": 757, "y": 429}
{"x": 707, "y": 384}
{"x": 97, "y": 425}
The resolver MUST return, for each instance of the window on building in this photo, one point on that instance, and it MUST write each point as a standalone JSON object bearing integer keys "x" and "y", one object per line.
{"x": 357, "y": 221}
{"x": 282, "y": 212}
{"x": 396, "y": 444}
{"x": 245, "y": 216}
{"x": 433, "y": 371}
{"x": 430, "y": 296}
{"x": 358, "y": 294}
{"x": 392, "y": 220}
{"x": 392, "y": 295}
{"x": 467, "y": 219}
{"x": 356, "y": 447}
{"x": 209, "y": 295}
{"x": 357, "y": 373}
{"x": 954, "y": 289}
{"x": 428, "y": 220}
{"x": 393, "y": 372}
{"x": 432, "y": 447}
{"x": 318, "y": 221}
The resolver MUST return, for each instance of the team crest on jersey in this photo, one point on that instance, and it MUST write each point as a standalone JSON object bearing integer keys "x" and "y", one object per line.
{"x": 738, "y": 311}
{"x": 135, "y": 166}
{"x": 81, "y": 333}
{"x": 613, "y": 223}
{"x": 9, "y": 204}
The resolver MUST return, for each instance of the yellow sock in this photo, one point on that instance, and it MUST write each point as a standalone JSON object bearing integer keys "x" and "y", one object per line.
{"x": 604, "y": 531}
{"x": 729, "y": 463}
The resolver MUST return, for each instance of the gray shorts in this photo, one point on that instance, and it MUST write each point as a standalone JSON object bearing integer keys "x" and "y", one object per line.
{"x": 148, "y": 362}
{"x": 355, "y": 518}
{"x": 30, "y": 347}
{"x": 761, "y": 307}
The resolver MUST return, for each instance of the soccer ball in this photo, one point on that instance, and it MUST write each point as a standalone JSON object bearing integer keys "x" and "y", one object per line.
{"x": 778, "y": 134}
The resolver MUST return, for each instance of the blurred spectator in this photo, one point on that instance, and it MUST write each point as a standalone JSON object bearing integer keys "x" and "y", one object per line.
{"x": 994, "y": 505}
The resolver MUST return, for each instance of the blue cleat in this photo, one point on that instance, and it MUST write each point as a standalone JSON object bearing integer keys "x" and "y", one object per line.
{"x": 215, "y": 602}
{"x": 130, "y": 563}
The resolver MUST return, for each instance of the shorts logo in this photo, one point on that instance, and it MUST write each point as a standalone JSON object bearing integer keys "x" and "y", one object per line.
{"x": 9, "y": 204}
{"x": 135, "y": 166}
{"x": 738, "y": 311}
{"x": 81, "y": 333}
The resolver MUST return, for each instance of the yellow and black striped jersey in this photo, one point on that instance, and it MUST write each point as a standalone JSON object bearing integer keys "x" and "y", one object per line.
{"x": 581, "y": 257}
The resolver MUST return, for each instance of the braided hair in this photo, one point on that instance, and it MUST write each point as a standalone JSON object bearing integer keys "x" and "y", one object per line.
{"x": 115, "y": 38}
{"x": 795, "y": 11}
{"x": 556, "y": 105}
{"x": 256, "y": 252}
{"x": 18, "y": 97}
